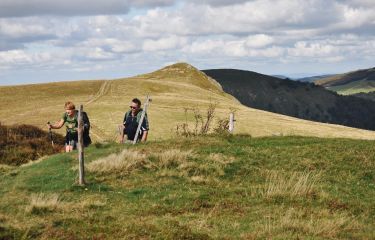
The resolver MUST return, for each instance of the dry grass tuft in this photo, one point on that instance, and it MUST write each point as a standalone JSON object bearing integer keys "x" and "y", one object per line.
{"x": 325, "y": 225}
{"x": 173, "y": 158}
{"x": 93, "y": 202}
{"x": 220, "y": 158}
{"x": 178, "y": 163}
{"x": 200, "y": 179}
{"x": 4, "y": 168}
{"x": 296, "y": 184}
{"x": 126, "y": 162}
{"x": 42, "y": 203}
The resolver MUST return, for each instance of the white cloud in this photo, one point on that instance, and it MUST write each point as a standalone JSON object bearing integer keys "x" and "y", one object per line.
{"x": 258, "y": 40}
{"x": 304, "y": 49}
{"x": 165, "y": 43}
{"x": 289, "y": 32}
{"x": 21, "y": 57}
{"x": 19, "y": 30}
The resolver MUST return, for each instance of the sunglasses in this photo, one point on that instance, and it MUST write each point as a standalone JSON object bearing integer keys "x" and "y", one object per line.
{"x": 133, "y": 107}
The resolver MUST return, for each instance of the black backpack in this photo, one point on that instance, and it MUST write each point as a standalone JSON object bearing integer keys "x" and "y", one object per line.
{"x": 86, "y": 129}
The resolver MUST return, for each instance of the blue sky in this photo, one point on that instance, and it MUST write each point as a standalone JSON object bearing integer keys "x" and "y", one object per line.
{"x": 50, "y": 40}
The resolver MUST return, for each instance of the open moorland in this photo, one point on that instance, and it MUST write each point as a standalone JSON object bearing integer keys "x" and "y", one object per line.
{"x": 214, "y": 187}
{"x": 174, "y": 89}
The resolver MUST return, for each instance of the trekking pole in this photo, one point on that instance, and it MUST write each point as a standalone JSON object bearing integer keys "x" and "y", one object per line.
{"x": 148, "y": 100}
{"x": 50, "y": 135}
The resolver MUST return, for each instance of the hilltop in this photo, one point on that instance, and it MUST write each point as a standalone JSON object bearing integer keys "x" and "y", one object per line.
{"x": 174, "y": 89}
{"x": 350, "y": 83}
{"x": 294, "y": 98}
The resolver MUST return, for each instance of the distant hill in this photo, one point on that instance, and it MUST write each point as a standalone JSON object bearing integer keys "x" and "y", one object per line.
{"x": 350, "y": 83}
{"x": 294, "y": 98}
{"x": 314, "y": 78}
{"x": 173, "y": 89}
{"x": 280, "y": 76}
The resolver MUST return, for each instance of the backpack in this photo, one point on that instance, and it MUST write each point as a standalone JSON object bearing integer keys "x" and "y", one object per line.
{"x": 86, "y": 129}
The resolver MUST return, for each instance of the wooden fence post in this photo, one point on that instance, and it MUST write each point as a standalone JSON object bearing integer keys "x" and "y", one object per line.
{"x": 81, "y": 147}
{"x": 231, "y": 122}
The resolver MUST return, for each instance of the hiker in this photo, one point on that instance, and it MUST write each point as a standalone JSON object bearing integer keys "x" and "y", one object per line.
{"x": 70, "y": 119}
{"x": 131, "y": 121}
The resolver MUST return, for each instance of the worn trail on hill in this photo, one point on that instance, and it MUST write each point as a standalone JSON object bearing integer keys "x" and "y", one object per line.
{"x": 104, "y": 88}
{"x": 101, "y": 92}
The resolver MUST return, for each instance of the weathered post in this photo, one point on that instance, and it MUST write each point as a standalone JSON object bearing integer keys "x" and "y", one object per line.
{"x": 231, "y": 122}
{"x": 148, "y": 99}
{"x": 80, "y": 148}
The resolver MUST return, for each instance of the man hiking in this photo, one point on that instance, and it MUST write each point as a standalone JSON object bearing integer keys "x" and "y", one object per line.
{"x": 131, "y": 122}
{"x": 70, "y": 119}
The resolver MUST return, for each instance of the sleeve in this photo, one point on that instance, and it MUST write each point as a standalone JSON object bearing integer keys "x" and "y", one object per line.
{"x": 63, "y": 117}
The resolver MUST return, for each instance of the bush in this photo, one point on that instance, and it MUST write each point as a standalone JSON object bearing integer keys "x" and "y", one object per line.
{"x": 20, "y": 144}
{"x": 203, "y": 123}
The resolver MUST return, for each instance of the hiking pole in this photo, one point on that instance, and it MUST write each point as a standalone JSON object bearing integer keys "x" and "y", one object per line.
{"x": 148, "y": 100}
{"x": 50, "y": 134}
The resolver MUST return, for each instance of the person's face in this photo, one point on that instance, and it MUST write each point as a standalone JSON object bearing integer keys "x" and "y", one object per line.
{"x": 134, "y": 107}
{"x": 70, "y": 112}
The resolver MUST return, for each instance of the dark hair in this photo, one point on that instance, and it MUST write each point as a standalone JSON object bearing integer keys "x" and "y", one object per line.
{"x": 137, "y": 101}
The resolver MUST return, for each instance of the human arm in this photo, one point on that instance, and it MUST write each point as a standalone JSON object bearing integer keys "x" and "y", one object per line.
{"x": 144, "y": 136}
{"x": 56, "y": 125}
{"x": 121, "y": 130}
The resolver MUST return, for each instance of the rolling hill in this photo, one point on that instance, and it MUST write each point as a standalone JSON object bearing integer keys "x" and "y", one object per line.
{"x": 294, "y": 98}
{"x": 173, "y": 89}
{"x": 314, "y": 78}
{"x": 350, "y": 83}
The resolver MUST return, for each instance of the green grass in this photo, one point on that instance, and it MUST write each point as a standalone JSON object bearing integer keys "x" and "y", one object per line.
{"x": 215, "y": 187}
{"x": 364, "y": 86}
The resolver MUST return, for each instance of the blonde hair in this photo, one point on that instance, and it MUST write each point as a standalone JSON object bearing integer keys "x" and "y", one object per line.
{"x": 70, "y": 106}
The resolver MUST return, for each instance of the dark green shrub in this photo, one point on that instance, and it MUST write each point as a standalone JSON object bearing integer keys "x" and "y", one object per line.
{"x": 20, "y": 144}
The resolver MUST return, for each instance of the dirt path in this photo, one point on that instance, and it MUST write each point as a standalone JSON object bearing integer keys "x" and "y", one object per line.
{"x": 101, "y": 92}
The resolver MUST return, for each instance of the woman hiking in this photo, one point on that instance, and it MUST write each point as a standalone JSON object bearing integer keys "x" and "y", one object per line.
{"x": 70, "y": 119}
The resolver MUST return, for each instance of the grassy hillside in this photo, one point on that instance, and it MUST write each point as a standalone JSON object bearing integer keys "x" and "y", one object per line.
{"x": 294, "y": 98}
{"x": 234, "y": 187}
{"x": 351, "y": 88}
{"x": 173, "y": 89}
{"x": 350, "y": 83}
{"x": 314, "y": 78}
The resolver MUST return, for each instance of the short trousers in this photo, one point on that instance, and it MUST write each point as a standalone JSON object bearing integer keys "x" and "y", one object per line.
{"x": 71, "y": 139}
